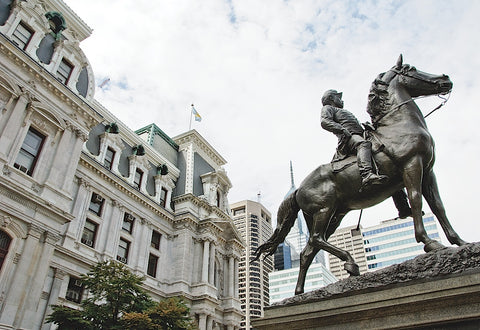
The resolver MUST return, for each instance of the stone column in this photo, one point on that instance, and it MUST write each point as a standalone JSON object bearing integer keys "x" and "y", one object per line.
{"x": 209, "y": 322}
{"x": 37, "y": 281}
{"x": 12, "y": 127}
{"x": 202, "y": 322}
{"x": 74, "y": 157}
{"x": 142, "y": 242}
{"x": 235, "y": 280}
{"x": 17, "y": 295}
{"x": 206, "y": 248}
{"x": 211, "y": 274}
{"x": 80, "y": 206}
{"x": 231, "y": 276}
{"x": 53, "y": 296}
{"x": 61, "y": 159}
{"x": 109, "y": 234}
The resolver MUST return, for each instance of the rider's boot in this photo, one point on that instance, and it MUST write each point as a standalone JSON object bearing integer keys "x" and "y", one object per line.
{"x": 364, "y": 160}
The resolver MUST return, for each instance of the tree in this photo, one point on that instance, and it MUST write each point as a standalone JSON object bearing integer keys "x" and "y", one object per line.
{"x": 113, "y": 291}
{"x": 168, "y": 314}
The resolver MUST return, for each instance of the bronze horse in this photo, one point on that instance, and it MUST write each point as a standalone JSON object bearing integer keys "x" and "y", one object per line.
{"x": 404, "y": 152}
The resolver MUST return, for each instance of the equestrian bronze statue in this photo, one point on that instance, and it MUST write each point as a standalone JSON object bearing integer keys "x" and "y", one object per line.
{"x": 403, "y": 151}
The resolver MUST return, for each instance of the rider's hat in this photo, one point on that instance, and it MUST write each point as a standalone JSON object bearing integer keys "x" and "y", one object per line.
{"x": 329, "y": 93}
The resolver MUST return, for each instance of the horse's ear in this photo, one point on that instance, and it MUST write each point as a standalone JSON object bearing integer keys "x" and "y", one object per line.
{"x": 399, "y": 62}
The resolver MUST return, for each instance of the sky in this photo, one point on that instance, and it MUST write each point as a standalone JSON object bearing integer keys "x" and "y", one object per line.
{"x": 256, "y": 72}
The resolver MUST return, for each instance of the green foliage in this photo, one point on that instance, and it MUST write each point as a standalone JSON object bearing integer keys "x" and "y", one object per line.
{"x": 168, "y": 314}
{"x": 113, "y": 291}
{"x": 68, "y": 319}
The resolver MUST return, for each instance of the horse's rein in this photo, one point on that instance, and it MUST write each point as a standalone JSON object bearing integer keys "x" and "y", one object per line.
{"x": 445, "y": 99}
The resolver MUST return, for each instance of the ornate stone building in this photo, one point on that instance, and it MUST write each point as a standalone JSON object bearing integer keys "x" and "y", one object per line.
{"x": 77, "y": 186}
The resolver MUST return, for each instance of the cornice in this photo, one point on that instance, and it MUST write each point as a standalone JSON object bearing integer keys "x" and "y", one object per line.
{"x": 197, "y": 140}
{"x": 120, "y": 184}
{"x": 19, "y": 194}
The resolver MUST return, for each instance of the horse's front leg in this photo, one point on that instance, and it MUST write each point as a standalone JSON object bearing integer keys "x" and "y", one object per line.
{"x": 432, "y": 196}
{"x": 412, "y": 177}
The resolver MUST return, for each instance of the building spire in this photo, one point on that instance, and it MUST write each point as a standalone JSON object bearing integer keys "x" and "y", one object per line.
{"x": 291, "y": 174}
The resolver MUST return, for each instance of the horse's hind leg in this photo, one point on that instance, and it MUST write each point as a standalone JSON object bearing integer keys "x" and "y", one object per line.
{"x": 306, "y": 258}
{"x": 323, "y": 223}
{"x": 432, "y": 196}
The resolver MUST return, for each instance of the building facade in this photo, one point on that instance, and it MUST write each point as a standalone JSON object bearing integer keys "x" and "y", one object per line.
{"x": 254, "y": 223}
{"x": 77, "y": 186}
{"x": 349, "y": 239}
{"x": 390, "y": 242}
{"x": 283, "y": 282}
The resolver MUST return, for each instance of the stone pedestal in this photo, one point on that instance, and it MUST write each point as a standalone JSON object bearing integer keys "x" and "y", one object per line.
{"x": 439, "y": 290}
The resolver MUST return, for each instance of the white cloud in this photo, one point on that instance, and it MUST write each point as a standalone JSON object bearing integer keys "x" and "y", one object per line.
{"x": 256, "y": 71}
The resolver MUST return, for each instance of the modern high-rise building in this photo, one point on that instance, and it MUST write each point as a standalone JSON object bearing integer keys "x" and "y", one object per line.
{"x": 254, "y": 223}
{"x": 287, "y": 261}
{"x": 298, "y": 236}
{"x": 78, "y": 186}
{"x": 283, "y": 282}
{"x": 349, "y": 239}
{"x": 390, "y": 242}
{"x": 393, "y": 241}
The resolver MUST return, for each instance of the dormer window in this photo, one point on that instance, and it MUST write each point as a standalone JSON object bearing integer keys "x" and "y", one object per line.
{"x": 137, "y": 180}
{"x": 64, "y": 71}
{"x": 22, "y": 35}
{"x": 109, "y": 156}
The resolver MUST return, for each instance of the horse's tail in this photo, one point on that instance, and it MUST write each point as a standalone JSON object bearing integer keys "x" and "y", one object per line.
{"x": 286, "y": 216}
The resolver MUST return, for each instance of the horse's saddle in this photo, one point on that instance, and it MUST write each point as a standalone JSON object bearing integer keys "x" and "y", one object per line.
{"x": 339, "y": 165}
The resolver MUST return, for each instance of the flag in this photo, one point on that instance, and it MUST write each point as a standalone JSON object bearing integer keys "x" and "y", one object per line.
{"x": 196, "y": 114}
{"x": 106, "y": 81}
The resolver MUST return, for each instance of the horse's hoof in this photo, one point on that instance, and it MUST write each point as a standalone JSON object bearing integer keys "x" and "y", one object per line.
{"x": 352, "y": 268}
{"x": 298, "y": 291}
{"x": 432, "y": 245}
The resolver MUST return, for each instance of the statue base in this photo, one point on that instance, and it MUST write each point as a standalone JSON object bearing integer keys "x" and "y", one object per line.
{"x": 439, "y": 290}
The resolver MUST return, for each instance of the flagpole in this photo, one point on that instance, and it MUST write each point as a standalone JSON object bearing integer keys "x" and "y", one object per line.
{"x": 191, "y": 115}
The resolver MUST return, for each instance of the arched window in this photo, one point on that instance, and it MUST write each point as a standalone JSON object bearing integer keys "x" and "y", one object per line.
{"x": 4, "y": 244}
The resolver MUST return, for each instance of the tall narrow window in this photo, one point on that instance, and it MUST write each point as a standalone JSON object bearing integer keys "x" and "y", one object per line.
{"x": 127, "y": 224}
{"x": 4, "y": 245}
{"x": 109, "y": 156}
{"x": 29, "y": 152}
{"x": 137, "y": 180}
{"x": 89, "y": 233}
{"x": 96, "y": 204}
{"x": 22, "y": 35}
{"x": 74, "y": 290}
{"x": 152, "y": 265}
{"x": 123, "y": 247}
{"x": 64, "y": 71}
{"x": 156, "y": 236}
{"x": 163, "y": 197}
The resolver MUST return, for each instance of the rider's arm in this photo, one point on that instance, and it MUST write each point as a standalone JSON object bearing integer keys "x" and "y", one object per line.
{"x": 328, "y": 122}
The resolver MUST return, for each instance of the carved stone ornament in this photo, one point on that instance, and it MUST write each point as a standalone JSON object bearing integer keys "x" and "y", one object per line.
{"x": 5, "y": 220}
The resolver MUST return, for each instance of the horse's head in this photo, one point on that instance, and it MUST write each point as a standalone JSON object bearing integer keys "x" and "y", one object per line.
{"x": 419, "y": 83}
{"x": 385, "y": 95}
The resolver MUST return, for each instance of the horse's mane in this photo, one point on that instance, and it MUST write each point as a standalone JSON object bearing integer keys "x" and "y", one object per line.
{"x": 378, "y": 99}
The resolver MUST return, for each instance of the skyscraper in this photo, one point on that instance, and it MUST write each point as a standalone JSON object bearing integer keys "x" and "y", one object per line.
{"x": 254, "y": 223}
{"x": 298, "y": 235}
{"x": 390, "y": 242}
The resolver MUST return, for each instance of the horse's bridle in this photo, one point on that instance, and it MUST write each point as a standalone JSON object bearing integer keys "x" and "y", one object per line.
{"x": 406, "y": 73}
